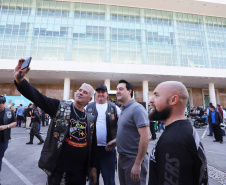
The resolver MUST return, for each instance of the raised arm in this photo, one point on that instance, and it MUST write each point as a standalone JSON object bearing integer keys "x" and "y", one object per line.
{"x": 49, "y": 105}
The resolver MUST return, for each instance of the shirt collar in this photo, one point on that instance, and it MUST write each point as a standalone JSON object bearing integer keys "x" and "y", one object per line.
{"x": 128, "y": 104}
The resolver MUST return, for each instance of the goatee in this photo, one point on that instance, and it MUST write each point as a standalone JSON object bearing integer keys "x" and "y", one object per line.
{"x": 164, "y": 114}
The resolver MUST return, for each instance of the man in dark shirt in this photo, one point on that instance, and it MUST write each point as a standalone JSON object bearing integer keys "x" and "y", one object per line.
{"x": 71, "y": 165}
{"x": 7, "y": 121}
{"x": 28, "y": 116}
{"x": 178, "y": 157}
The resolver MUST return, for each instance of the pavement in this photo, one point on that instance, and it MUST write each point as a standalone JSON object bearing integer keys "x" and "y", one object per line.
{"x": 20, "y": 163}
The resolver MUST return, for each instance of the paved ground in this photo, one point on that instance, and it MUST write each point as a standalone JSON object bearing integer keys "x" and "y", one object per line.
{"x": 20, "y": 164}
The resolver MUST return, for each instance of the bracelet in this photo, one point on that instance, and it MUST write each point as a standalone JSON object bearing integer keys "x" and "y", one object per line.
{"x": 7, "y": 126}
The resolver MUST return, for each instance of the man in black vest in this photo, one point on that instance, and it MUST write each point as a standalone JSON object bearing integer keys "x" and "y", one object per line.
{"x": 69, "y": 151}
{"x": 7, "y": 121}
{"x": 107, "y": 114}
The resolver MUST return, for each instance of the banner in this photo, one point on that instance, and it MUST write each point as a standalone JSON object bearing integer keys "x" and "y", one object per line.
{"x": 17, "y": 100}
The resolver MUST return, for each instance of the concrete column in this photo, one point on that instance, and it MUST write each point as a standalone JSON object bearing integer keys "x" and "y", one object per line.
{"x": 30, "y": 31}
{"x": 67, "y": 82}
{"x": 107, "y": 35}
{"x": 143, "y": 38}
{"x": 217, "y": 97}
{"x": 212, "y": 94}
{"x": 190, "y": 98}
{"x": 145, "y": 93}
{"x": 69, "y": 34}
{"x": 107, "y": 82}
{"x": 176, "y": 39}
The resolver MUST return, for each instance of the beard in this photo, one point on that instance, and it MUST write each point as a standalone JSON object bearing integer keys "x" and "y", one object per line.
{"x": 162, "y": 115}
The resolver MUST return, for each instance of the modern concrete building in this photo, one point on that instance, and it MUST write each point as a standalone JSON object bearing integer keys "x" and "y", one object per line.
{"x": 98, "y": 41}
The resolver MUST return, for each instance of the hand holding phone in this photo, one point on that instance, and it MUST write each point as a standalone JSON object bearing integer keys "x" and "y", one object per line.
{"x": 26, "y": 63}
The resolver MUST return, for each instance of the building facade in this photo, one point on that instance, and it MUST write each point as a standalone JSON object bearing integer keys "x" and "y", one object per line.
{"x": 145, "y": 42}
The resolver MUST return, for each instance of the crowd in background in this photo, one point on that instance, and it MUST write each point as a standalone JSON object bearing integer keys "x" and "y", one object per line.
{"x": 23, "y": 115}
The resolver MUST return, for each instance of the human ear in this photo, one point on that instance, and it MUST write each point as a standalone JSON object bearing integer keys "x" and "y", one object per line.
{"x": 174, "y": 99}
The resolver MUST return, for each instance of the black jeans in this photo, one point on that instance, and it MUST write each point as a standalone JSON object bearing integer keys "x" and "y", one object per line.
{"x": 217, "y": 132}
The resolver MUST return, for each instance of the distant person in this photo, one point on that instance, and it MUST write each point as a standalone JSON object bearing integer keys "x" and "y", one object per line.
{"x": 7, "y": 121}
{"x": 12, "y": 107}
{"x": 178, "y": 157}
{"x": 28, "y": 116}
{"x": 35, "y": 121}
{"x": 215, "y": 119}
{"x": 19, "y": 114}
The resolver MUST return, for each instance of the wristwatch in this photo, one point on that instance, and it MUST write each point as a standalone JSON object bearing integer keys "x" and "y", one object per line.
{"x": 7, "y": 126}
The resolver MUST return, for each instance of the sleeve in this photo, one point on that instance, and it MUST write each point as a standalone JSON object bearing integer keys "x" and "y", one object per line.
{"x": 140, "y": 117}
{"x": 49, "y": 105}
{"x": 220, "y": 117}
{"x": 175, "y": 164}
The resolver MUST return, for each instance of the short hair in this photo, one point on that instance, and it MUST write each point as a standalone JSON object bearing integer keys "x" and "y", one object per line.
{"x": 29, "y": 104}
{"x": 129, "y": 86}
{"x": 218, "y": 105}
{"x": 91, "y": 87}
{"x": 211, "y": 106}
{"x": 34, "y": 105}
{"x": 21, "y": 105}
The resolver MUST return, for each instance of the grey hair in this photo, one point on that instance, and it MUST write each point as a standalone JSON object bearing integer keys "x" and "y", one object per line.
{"x": 91, "y": 87}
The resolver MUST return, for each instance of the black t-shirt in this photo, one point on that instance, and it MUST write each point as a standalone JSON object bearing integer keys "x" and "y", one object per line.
{"x": 178, "y": 157}
{"x": 75, "y": 146}
{"x": 1, "y": 123}
{"x": 27, "y": 112}
{"x": 74, "y": 152}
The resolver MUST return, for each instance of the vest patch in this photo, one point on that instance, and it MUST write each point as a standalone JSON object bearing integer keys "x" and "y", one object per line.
{"x": 9, "y": 114}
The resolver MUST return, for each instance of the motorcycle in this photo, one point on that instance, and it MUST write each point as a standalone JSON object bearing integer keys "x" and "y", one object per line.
{"x": 199, "y": 122}
{"x": 223, "y": 128}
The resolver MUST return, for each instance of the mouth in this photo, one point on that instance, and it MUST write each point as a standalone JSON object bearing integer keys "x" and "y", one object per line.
{"x": 80, "y": 97}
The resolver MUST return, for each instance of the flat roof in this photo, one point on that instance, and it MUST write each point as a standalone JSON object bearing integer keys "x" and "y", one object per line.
{"x": 214, "y": 8}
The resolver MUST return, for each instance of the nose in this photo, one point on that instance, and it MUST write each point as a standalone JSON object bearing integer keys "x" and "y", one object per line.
{"x": 151, "y": 101}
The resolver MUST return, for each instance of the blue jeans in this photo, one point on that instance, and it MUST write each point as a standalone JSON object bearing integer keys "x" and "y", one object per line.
{"x": 210, "y": 129}
{"x": 39, "y": 128}
{"x": 3, "y": 147}
{"x": 106, "y": 165}
{"x": 161, "y": 127}
{"x": 206, "y": 117}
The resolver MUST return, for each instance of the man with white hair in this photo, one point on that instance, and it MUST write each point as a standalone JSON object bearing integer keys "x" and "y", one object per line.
{"x": 178, "y": 157}
{"x": 69, "y": 151}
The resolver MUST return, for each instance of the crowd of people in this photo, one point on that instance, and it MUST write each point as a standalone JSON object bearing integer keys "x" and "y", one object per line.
{"x": 82, "y": 137}
{"x": 213, "y": 116}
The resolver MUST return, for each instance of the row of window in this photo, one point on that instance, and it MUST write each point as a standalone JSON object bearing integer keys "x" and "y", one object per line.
{"x": 95, "y": 15}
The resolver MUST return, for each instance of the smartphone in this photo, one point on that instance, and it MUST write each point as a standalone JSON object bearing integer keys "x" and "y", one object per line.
{"x": 26, "y": 63}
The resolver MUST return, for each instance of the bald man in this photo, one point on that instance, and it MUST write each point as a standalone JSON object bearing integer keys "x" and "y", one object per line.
{"x": 178, "y": 157}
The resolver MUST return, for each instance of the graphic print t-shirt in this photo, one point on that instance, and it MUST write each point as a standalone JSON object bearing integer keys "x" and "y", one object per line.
{"x": 74, "y": 151}
{"x": 178, "y": 157}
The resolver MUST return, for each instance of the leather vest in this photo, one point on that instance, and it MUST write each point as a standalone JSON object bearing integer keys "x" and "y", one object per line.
{"x": 111, "y": 118}
{"x": 7, "y": 119}
{"x": 56, "y": 136}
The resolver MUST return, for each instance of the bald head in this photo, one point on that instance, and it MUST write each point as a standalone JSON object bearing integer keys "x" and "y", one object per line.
{"x": 175, "y": 88}
{"x": 169, "y": 102}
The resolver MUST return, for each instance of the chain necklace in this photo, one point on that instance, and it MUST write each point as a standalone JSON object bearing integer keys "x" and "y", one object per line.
{"x": 77, "y": 116}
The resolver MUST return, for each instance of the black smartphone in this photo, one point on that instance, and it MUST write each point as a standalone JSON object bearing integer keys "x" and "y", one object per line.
{"x": 26, "y": 63}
